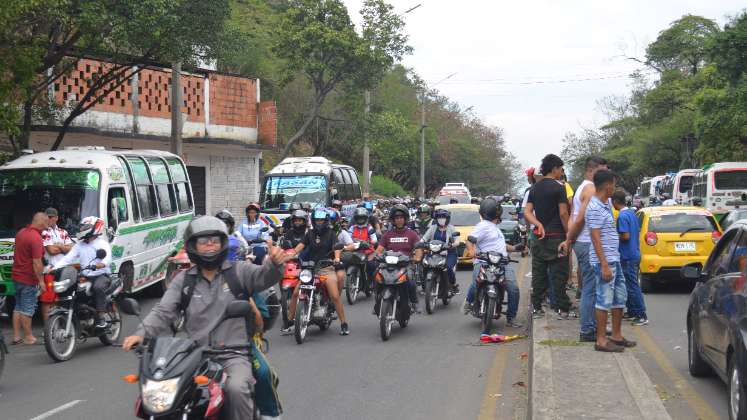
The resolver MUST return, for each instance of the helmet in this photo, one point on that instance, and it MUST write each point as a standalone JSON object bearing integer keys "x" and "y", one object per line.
{"x": 424, "y": 208}
{"x": 336, "y": 203}
{"x": 416, "y": 202}
{"x": 473, "y": 200}
{"x": 453, "y": 200}
{"x": 227, "y": 218}
{"x": 300, "y": 214}
{"x": 293, "y": 207}
{"x": 360, "y": 217}
{"x": 321, "y": 214}
{"x": 367, "y": 205}
{"x": 491, "y": 209}
{"x": 344, "y": 222}
{"x": 252, "y": 206}
{"x": 206, "y": 226}
{"x": 697, "y": 201}
{"x": 89, "y": 227}
{"x": 636, "y": 196}
{"x": 437, "y": 202}
{"x": 479, "y": 200}
{"x": 443, "y": 212}
{"x": 408, "y": 203}
{"x": 399, "y": 210}
{"x": 666, "y": 196}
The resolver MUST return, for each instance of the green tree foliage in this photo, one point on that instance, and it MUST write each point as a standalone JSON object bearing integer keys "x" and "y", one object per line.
{"x": 683, "y": 46}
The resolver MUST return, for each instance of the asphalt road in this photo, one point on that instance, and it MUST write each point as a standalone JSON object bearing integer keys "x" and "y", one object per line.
{"x": 431, "y": 369}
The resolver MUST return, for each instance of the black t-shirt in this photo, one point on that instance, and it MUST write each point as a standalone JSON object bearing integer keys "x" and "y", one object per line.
{"x": 546, "y": 195}
{"x": 320, "y": 246}
{"x": 286, "y": 224}
{"x": 373, "y": 221}
{"x": 294, "y": 237}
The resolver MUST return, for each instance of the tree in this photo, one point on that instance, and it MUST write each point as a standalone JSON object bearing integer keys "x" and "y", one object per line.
{"x": 318, "y": 40}
{"x": 683, "y": 46}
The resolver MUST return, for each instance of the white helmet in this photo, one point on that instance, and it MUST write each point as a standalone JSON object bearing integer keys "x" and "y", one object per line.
{"x": 90, "y": 226}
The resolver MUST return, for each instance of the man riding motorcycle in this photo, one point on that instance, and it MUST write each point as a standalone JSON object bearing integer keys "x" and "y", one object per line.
{"x": 423, "y": 222}
{"x": 292, "y": 208}
{"x": 473, "y": 200}
{"x": 237, "y": 246}
{"x": 490, "y": 238}
{"x": 453, "y": 200}
{"x": 668, "y": 201}
{"x": 363, "y": 231}
{"x": 442, "y": 231}
{"x": 401, "y": 239}
{"x": 85, "y": 249}
{"x": 206, "y": 243}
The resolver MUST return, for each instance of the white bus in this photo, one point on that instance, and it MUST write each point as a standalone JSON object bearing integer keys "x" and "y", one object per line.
{"x": 679, "y": 185}
{"x": 649, "y": 187}
{"x": 143, "y": 196}
{"x": 721, "y": 186}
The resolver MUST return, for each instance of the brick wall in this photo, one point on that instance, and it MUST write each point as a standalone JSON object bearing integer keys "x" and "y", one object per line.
{"x": 268, "y": 133}
{"x": 232, "y": 184}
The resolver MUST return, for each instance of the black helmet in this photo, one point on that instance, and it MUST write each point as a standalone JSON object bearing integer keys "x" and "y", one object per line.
{"x": 416, "y": 202}
{"x": 360, "y": 217}
{"x": 453, "y": 200}
{"x": 344, "y": 222}
{"x": 293, "y": 207}
{"x": 399, "y": 210}
{"x": 473, "y": 200}
{"x": 697, "y": 201}
{"x": 424, "y": 208}
{"x": 206, "y": 226}
{"x": 300, "y": 214}
{"x": 490, "y": 209}
{"x": 227, "y": 218}
{"x": 336, "y": 203}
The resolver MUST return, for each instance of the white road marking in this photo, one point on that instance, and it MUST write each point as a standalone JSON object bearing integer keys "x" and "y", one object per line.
{"x": 63, "y": 407}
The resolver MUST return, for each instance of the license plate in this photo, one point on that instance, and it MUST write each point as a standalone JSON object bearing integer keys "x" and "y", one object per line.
{"x": 684, "y": 246}
{"x": 306, "y": 286}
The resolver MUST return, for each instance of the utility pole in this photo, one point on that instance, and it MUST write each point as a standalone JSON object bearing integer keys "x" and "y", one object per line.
{"x": 177, "y": 95}
{"x": 365, "y": 150}
{"x": 422, "y": 146}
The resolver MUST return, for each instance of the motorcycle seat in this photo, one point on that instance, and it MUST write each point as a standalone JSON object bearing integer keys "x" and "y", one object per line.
{"x": 113, "y": 286}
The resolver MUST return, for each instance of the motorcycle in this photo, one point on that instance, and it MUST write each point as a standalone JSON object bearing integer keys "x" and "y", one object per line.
{"x": 435, "y": 276}
{"x": 391, "y": 276}
{"x": 179, "y": 263}
{"x": 178, "y": 379}
{"x": 250, "y": 253}
{"x": 3, "y": 345}
{"x": 356, "y": 278}
{"x": 313, "y": 299}
{"x": 520, "y": 234}
{"x": 72, "y": 321}
{"x": 490, "y": 288}
{"x": 290, "y": 279}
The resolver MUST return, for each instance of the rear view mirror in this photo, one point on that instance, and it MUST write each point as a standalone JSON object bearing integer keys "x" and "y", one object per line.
{"x": 333, "y": 191}
{"x": 419, "y": 245}
{"x": 339, "y": 246}
{"x": 456, "y": 235}
{"x": 130, "y": 306}
{"x": 101, "y": 254}
{"x": 692, "y": 271}
{"x": 257, "y": 241}
{"x": 472, "y": 239}
{"x": 238, "y": 309}
{"x": 264, "y": 229}
{"x": 365, "y": 246}
{"x": 119, "y": 208}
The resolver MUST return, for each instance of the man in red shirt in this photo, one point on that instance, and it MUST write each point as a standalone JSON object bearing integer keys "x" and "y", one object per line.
{"x": 27, "y": 275}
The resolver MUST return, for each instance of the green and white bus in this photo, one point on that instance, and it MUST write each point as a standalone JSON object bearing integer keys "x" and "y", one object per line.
{"x": 722, "y": 186}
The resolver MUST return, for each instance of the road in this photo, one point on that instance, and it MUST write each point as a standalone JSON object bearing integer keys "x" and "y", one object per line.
{"x": 428, "y": 370}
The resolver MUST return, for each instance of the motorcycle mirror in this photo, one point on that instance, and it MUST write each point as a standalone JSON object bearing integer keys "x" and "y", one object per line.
{"x": 472, "y": 239}
{"x": 238, "y": 309}
{"x": 333, "y": 191}
{"x": 339, "y": 246}
{"x": 419, "y": 245}
{"x": 101, "y": 254}
{"x": 456, "y": 234}
{"x": 256, "y": 241}
{"x": 264, "y": 229}
{"x": 130, "y": 306}
{"x": 365, "y": 246}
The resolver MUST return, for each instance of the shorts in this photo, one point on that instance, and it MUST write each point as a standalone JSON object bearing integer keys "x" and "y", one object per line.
{"x": 49, "y": 295}
{"x": 611, "y": 294}
{"x": 329, "y": 272}
{"x": 25, "y": 298}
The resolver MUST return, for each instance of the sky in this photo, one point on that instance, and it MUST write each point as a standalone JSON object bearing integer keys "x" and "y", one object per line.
{"x": 536, "y": 68}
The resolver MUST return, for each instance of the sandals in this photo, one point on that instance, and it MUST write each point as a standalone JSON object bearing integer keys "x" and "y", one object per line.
{"x": 610, "y": 347}
{"x": 13, "y": 343}
{"x": 624, "y": 343}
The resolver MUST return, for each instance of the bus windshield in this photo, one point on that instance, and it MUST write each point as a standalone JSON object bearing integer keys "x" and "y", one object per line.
{"x": 730, "y": 180}
{"x": 24, "y": 192}
{"x": 686, "y": 184}
{"x": 280, "y": 191}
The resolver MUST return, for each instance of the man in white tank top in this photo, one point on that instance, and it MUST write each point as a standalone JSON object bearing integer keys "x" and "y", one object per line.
{"x": 580, "y": 239}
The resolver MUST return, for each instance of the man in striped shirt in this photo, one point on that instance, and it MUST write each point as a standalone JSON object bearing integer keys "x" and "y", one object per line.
{"x": 604, "y": 257}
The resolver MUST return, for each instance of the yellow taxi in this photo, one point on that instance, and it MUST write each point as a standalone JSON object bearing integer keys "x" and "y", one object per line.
{"x": 672, "y": 236}
{"x": 464, "y": 217}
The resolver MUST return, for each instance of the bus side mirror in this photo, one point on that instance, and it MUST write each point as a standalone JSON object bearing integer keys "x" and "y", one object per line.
{"x": 333, "y": 191}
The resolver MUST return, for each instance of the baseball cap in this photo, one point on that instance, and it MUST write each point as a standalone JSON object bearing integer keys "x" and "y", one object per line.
{"x": 529, "y": 171}
{"x": 51, "y": 212}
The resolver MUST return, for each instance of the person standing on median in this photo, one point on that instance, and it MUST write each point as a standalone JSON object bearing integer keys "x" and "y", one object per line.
{"x": 57, "y": 243}
{"x": 630, "y": 258}
{"x": 604, "y": 257}
{"x": 548, "y": 199}
{"x": 28, "y": 277}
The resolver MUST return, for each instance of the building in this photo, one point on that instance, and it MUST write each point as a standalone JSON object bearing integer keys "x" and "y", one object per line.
{"x": 225, "y": 127}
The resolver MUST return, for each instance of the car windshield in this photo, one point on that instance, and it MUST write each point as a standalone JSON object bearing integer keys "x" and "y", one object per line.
{"x": 730, "y": 180}
{"x": 464, "y": 217}
{"x": 281, "y": 191}
{"x": 462, "y": 199}
{"x": 677, "y": 221}
{"x": 74, "y": 193}
{"x": 507, "y": 216}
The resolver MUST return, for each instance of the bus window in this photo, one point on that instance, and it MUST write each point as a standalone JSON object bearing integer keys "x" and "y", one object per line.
{"x": 339, "y": 182}
{"x": 166, "y": 198}
{"x": 356, "y": 186}
{"x": 348, "y": 186}
{"x": 686, "y": 184}
{"x": 128, "y": 177}
{"x": 115, "y": 192}
{"x": 730, "y": 180}
{"x": 146, "y": 194}
{"x": 183, "y": 197}
{"x": 177, "y": 170}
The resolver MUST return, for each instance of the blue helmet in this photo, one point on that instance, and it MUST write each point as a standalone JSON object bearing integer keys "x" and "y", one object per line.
{"x": 323, "y": 214}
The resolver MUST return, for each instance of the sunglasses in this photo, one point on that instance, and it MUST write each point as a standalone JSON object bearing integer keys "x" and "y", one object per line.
{"x": 203, "y": 240}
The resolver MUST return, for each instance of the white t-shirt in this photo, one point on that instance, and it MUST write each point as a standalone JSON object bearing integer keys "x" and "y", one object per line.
{"x": 670, "y": 202}
{"x": 584, "y": 236}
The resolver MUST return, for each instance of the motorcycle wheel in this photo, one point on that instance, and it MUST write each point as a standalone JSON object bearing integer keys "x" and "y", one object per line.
{"x": 178, "y": 324}
{"x": 351, "y": 290}
{"x": 430, "y": 297}
{"x": 112, "y": 314}
{"x": 285, "y": 298}
{"x": 385, "y": 321}
{"x": 487, "y": 317}
{"x": 59, "y": 347}
{"x": 300, "y": 322}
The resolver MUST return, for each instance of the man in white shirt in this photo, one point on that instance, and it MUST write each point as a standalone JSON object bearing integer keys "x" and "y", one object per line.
{"x": 668, "y": 200}
{"x": 57, "y": 243}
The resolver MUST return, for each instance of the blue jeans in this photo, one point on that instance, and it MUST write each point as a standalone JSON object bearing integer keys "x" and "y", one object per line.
{"x": 451, "y": 262}
{"x": 512, "y": 288}
{"x": 552, "y": 296}
{"x": 635, "y": 303}
{"x": 611, "y": 294}
{"x": 259, "y": 252}
{"x": 25, "y": 298}
{"x": 586, "y": 314}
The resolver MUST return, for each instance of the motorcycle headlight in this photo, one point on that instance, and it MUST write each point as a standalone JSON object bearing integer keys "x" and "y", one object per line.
{"x": 523, "y": 228}
{"x": 435, "y": 247}
{"x": 60, "y": 286}
{"x": 494, "y": 259}
{"x": 158, "y": 396}
{"x": 305, "y": 276}
{"x": 392, "y": 259}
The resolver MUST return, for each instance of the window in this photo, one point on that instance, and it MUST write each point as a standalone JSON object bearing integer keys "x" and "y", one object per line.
{"x": 166, "y": 199}
{"x": 128, "y": 177}
{"x": 159, "y": 172}
{"x": 339, "y": 183}
{"x": 348, "y": 186}
{"x": 730, "y": 180}
{"x": 356, "y": 185}
{"x": 146, "y": 195}
{"x": 686, "y": 184}
{"x": 720, "y": 253}
{"x": 183, "y": 197}
{"x": 177, "y": 170}
{"x": 738, "y": 259}
{"x": 114, "y": 192}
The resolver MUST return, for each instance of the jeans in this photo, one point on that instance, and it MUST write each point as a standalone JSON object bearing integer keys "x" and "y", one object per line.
{"x": 635, "y": 303}
{"x": 451, "y": 262}
{"x": 611, "y": 294}
{"x": 259, "y": 252}
{"x": 266, "y": 388}
{"x": 586, "y": 314}
{"x": 544, "y": 258}
{"x": 552, "y": 295}
{"x": 25, "y": 295}
{"x": 512, "y": 289}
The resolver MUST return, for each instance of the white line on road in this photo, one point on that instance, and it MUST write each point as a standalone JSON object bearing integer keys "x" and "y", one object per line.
{"x": 57, "y": 410}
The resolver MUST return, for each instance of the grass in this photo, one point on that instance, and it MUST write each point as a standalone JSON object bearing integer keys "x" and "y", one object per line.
{"x": 558, "y": 343}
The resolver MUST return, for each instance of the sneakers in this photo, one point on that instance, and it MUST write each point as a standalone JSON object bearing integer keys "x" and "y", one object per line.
{"x": 570, "y": 315}
{"x": 417, "y": 308}
{"x": 537, "y": 313}
{"x": 344, "y": 329}
{"x": 455, "y": 289}
{"x": 466, "y": 307}
{"x": 578, "y": 295}
{"x": 639, "y": 320}
{"x": 512, "y": 322}
{"x": 101, "y": 323}
{"x": 287, "y": 325}
{"x": 628, "y": 317}
{"x": 569, "y": 286}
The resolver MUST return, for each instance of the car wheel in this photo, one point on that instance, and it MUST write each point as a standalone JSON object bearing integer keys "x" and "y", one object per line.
{"x": 737, "y": 397}
{"x": 644, "y": 282}
{"x": 697, "y": 366}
